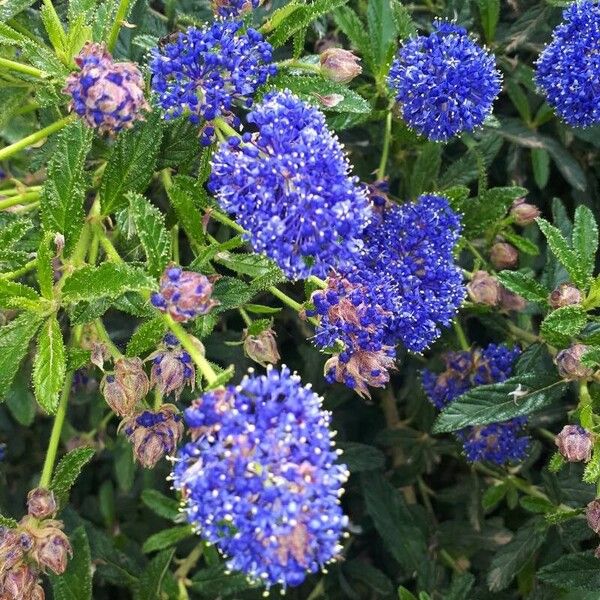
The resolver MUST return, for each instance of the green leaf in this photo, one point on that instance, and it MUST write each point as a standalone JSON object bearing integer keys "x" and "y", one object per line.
{"x": 523, "y": 244}
{"x": 404, "y": 594}
{"x": 68, "y": 470}
{"x": 20, "y": 402}
{"x": 45, "y": 272}
{"x": 12, "y": 290}
{"x": 131, "y": 163}
{"x": 394, "y": 522}
{"x": 361, "y": 457}
{"x": 11, "y": 8}
{"x": 63, "y": 193}
{"x": 462, "y": 584}
{"x": 382, "y": 32}
{"x": 162, "y": 505}
{"x": 213, "y": 582}
{"x": 167, "y": 538}
{"x": 489, "y": 13}
{"x": 76, "y": 582}
{"x": 511, "y": 558}
{"x": 591, "y": 473}
{"x": 565, "y": 255}
{"x": 540, "y": 162}
{"x": 187, "y": 210}
{"x": 405, "y": 26}
{"x": 491, "y": 403}
{"x": 150, "y": 226}
{"x": 573, "y": 571}
{"x": 146, "y": 337}
{"x": 493, "y": 496}
{"x": 49, "y": 366}
{"x": 107, "y": 280}
{"x": 563, "y": 323}
{"x": 585, "y": 239}
{"x": 525, "y": 285}
{"x": 150, "y": 581}
{"x": 54, "y": 29}
{"x": 254, "y": 265}
{"x": 426, "y": 169}
{"x": 373, "y": 578}
{"x": 14, "y": 343}
{"x": 312, "y": 88}
{"x": 231, "y": 293}
{"x": 8, "y": 522}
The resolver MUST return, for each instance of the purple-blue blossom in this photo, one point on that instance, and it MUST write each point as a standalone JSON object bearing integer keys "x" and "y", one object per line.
{"x": 264, "y": 486}
{"x": 289, "y": 186}
{"x": 568, "y": 70}
{"x": 444, "y": 82}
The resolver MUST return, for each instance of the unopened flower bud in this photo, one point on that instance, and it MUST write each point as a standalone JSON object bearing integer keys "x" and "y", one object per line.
{"x": 184, "y": 294}
{"x": 565, "y": 294}
{"x": 41, "y": 503}
{"x": 233, "y": 8}
{"x": 524, "y": 213}
{"x": 329, "y": 100}
{"x": 511, "y": 301}
{"x": 18, "y": 583}
{"x": 575, "y": 443}
{"x": 11, "y": 549}
{"x": 504, "y": 256}
{"x": 569, "y": 363}
{"x": 484, "y": 289}
{"x": 37, "y": 593}
{"x": 124, "y": 388}
{"x": 261, "y": 348}
{"x": 592, "y": 513}
{"x": 153, "y": 434}
{"x": 339, "y": 65}
{"x": 52, "y": 548}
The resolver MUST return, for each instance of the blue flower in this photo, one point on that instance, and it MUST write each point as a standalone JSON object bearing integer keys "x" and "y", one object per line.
{"x": 264, "y": 485}
{"x": 289, "y": 186}
{"x": 207, "y": 71}
{"x": 499, "y": 443}
{"x": 568, "y": 71}
{"x": 444, "y": 82}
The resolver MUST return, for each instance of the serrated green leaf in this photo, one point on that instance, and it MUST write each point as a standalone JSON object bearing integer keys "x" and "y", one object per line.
{"x": 382, "y": 32}
{"x": 253, "y": 265}
{"x": 76, "y": 582}
{"x": 462, "y": 584}
{"x": 63, "y": 194}
{"x": 493, "y": 495}
{"x": 9, "y": 290}
{"x": 150, "y": 582}
{"x": 150, "y": 227}
{"x": 489, "y": 13}
{"x": 523, "y": 244}
{"x": 11, "y": 8}
{"x": 146, "y": 337}
{"x": 162, "y": 505}
{"x": 354, "y": 29}
{"x": 8, "y": 522}
{"x": 20, "y": 402}
{"x": 187, "y": 211}
{"x": 573, "y": 571}
{"x": 77, "y": 358}
{"x": 167, "y": 538}
{"x": 563, "y": 323}
{"x": 373, "y": 578}
{"x": 231, "y": 293}
{"x": 14, "y": 343}
{"x": 131, "y": 163}
{"x": 259, "y": 309}
{"x": 585, "y": 239}
{"x": 556, "y": 463}
{"x": 107, "y": 280}
{"x": 591, "y": 473}
{"x": 404, "y": 594}
{"x": 536, "y": 505}
{"x": 45, "y": 272}
{"x": 68, "y": 470}
{"x": 180, "y": 138}
{"x": 49, "y": 366}
{"x": 361, "y": 457}
{"x": 525, "y": 285}
{"x": 54, "y": 29}
{"x": 493, "y": 402}
{"x": 426, "y": 169}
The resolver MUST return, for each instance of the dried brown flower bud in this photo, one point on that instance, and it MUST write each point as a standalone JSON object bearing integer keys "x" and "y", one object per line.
{"x": 41, "y": 503}
{"x": 11, "y": 549}
{"x": 504, "y": 255}
{"x": 511, "y": 301}
{"x": 124, "y": 388}
{"x": 575, "y": 443}
{"x": 19, "y": 583}
{"x": 51, "y": 549}
{"x": 340, "y": 65}
{"x": 569, "y": 363}
{"x": 592, "y": 513}
{"x": 261, "y": 348}
{"x": 524, "y": 213}
{"x": 565, "y": 294}
{"x": 484, "y": 289}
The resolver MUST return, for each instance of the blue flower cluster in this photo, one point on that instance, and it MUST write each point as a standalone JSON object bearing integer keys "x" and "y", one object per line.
{"x": 568, "y": 70}
{"x": 206, "y": 71}
{"x": 499, "y": 443}
{"x": 264, "y": 486}
{"x": 444, "y": 82}
{"x": 289, "y": 187}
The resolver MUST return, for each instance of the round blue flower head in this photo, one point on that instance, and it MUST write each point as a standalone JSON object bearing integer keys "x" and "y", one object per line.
{"x": 499, "y": 443}
{"x": 568, "y": 70}
{"x": 264, "y": 485}
{"x": 444, "y": 82}
{"x": 289, "y": 186}
{"x": 207, "y": 71}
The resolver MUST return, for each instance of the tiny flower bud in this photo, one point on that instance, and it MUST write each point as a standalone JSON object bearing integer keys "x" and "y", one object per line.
{"x": 18, "y": 583}
{"x": 330, "y": 100}
{"x": 52, "y": 548}
{"x": 261, "y": 348}
{"x": 511, "y": 301}
{"x": 504, "y": 256}
{"x": 569, "y": 363}
{"x": 339, "y": 65}
{"x": 565, "y": 294}
{"x": 592, "y": 513}
{"x": 484, "y": 289}
{"x": 124, "y": 388}
{"x": 38, "y": 593}
{"x": 575, "y": 443}
{"x": 524, "y": 213}
{"x": 41, "y": 503}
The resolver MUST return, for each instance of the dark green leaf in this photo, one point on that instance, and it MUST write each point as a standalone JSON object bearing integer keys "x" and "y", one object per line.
{"x": 563, "y": 323}
{"x": 49, "y": 366}
{"x": 426, "y": 169}
{"x": 146, "y": 337}
{"x": 150, "y": 582}
{"x": 68, "y": 470}
{"x": 585, "y": 239}
{"x": 461, "y": 587}
{"x": 76, "y": 582}
{"x": 376, "y": 580}
{"x": 213, "y": 582}
{"x": 163, "y": 506}
{"x": 525, "y": 285}
{"x": 20, "y": 402}
{"x": 540, "y": 162}
{"x": 382, "y": 32}
{"x": 167, "y": 538}
{"x": 361, "y": 457}
{"x": 187, "y": 210}
{"x": 351, "y": 25}
{"x": 573, "y": 571}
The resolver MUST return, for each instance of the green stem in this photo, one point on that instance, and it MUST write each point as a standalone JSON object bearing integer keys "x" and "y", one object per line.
{"x": 317, "y": 281}
{"x": 189, "y": 562}
{"x": 30, "y": 266}
{"x": 460, "y": 334}
{"x": 245, "y": 316}
{"x": 103, "y": 335}
{"x": 175, "y": 243}
{"x": 386, "y": 146}
{"x": 285, "y": 298}
{"x": 120, "y": 15}
{"x": 186, "y": 341}
{"x": 225, "y": 220}
{"x": 226, "y": 128}
{"x": 301, "y": 66}
{"x": 35, "y": 137}
{"x": 318, "y": 590}
{"x": 17, "y": 191}
{"x": 23, "y": 198}
{"x": 107, "y": 246}
{"x": 26, "y": 69}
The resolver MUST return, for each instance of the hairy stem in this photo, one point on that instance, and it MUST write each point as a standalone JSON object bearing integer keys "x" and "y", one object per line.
{"x": 387, "y": 136}
{"x": 21, "y": 68}
{"x": 24, "y": 198}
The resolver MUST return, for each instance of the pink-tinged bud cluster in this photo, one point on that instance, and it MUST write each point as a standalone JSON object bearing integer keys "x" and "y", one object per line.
{"x": 51, "y": 548}
{"x": 524, "y": 213}
{"x": 592, "y": 514}
{"x": 504, "y": 256}
{"x": 41, "y": 503}
{"x": 108, "y": 96}
{"x": 574, "y": 443}
{"x": 127, "y": 386}
{"x": 153, "y": 434}
{"x": 566, "y": 294}
{"x": 261, "y": 348}
{"x": 184, "y": 294}
{"x": 339, "y": 65}
{"x": 569, "y": 364}
{"x": 486, "y": 289}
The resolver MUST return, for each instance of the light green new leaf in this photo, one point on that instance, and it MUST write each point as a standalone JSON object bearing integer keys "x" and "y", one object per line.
{"x": 45, "y": 272}
{"x": 49, "y": 366}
